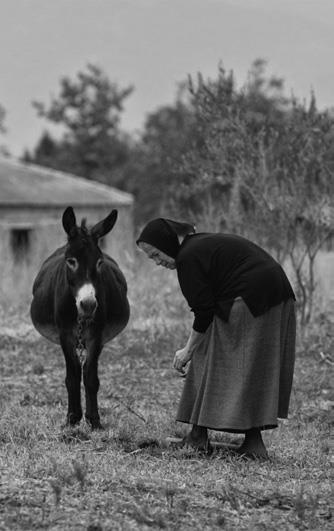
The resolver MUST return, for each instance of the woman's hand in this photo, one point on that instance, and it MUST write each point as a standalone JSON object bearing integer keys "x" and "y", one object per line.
{"x": 181, "y": 359}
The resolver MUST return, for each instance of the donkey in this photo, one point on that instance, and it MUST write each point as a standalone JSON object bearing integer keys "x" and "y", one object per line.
{"x": 80, "y": 302}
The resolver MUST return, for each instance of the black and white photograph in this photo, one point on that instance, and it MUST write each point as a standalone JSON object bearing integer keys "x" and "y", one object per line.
{"x": 166, "y": 265}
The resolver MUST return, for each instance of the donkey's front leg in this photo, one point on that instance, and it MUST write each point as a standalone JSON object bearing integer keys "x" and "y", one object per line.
{"x": 92, "y": 384}
{"x": 72, "y": 380}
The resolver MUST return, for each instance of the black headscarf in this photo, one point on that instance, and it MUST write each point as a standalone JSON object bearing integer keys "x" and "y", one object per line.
{"x": 163, "y": 234}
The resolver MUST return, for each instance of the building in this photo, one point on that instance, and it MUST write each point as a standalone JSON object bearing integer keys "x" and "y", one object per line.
{"x": 32, "y": 201}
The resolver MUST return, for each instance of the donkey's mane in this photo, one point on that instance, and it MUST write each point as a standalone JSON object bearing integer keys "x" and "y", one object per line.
{"x": 83, "y": 226}
{"x": 82, "y": 231}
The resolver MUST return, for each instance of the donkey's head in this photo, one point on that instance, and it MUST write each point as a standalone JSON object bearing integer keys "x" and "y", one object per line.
{"x": 84, "y": 259}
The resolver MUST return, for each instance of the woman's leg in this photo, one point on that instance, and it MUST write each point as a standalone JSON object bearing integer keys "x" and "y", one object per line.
{"x": 253, "y": 445}
{"x": 198, "y": 437}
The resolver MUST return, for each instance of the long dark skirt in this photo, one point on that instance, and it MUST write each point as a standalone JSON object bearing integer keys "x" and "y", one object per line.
{"x": 240, "y": 377}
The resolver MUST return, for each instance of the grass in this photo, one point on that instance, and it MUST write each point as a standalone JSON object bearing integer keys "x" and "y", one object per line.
{"x": 126, "y": 477}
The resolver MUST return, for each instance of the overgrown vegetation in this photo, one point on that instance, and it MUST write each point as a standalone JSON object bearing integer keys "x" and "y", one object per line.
{"x": 126, "y": 477}
{"x": 264, "y": 169}
{"x": 247, "y": 160}
{"x": 3, "y": 149}
{"x": 88, "y": 110}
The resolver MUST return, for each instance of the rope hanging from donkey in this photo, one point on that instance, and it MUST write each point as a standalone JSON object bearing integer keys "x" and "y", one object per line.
{"x": 81, "y": 351}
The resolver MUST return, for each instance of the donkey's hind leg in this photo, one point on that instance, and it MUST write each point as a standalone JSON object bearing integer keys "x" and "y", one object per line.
{"x": 72, "y": 381}
{"x": 92, "y": 384}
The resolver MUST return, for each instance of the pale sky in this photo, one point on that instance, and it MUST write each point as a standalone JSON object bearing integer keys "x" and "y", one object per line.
{"x": 154, "y": 44}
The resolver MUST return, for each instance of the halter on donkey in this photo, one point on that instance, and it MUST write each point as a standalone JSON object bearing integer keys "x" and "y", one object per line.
{"x": 80, "y": 302}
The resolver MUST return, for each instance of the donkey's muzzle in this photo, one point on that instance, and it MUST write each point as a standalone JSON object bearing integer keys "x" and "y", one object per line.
{"x": 86, "y": 300}
{"x": 88, "y": 306}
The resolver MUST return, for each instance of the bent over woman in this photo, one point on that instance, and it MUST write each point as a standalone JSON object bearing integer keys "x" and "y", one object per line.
{"x": 241, "y": 347}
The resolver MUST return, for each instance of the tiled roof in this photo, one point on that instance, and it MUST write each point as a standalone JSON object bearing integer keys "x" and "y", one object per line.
{"x": 32, "y": 185}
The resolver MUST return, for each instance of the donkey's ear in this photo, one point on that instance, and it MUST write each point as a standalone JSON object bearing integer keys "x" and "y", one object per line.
{"x": 69, "y": 221}
{"x": 103, "y": 227}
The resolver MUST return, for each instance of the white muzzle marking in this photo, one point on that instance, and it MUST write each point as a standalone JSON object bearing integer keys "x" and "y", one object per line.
{"x": 85, "y": 296}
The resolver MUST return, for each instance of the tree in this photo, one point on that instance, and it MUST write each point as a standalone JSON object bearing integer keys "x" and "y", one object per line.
{"x": 2, "y": 119}
{"x": 88, "y": 109}
{"x": 3, "y": 149}
{"x": 153, "y": 171}
{"x": 261, "y": 167}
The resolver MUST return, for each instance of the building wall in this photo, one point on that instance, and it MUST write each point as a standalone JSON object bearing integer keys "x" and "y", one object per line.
{"x": 28, "y": 236}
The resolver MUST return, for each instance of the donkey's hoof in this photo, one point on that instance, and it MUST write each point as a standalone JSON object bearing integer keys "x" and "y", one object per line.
{"x": 72, "y": 420}
{"x": 95, "y": 424}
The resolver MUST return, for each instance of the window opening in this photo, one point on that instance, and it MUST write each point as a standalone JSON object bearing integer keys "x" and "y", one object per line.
{"x": 20, "y": 240}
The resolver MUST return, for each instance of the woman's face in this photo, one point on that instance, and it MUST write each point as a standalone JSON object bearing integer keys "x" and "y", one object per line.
{"x": 157, "y": 256}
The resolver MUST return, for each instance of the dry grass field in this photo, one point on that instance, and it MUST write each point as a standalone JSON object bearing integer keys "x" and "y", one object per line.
{"x": 125, "y": 476}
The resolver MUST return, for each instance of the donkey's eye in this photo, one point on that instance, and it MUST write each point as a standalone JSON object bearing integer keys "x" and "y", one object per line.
{"x": 99, "y": 263}
{"x": 72, "y": 263}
